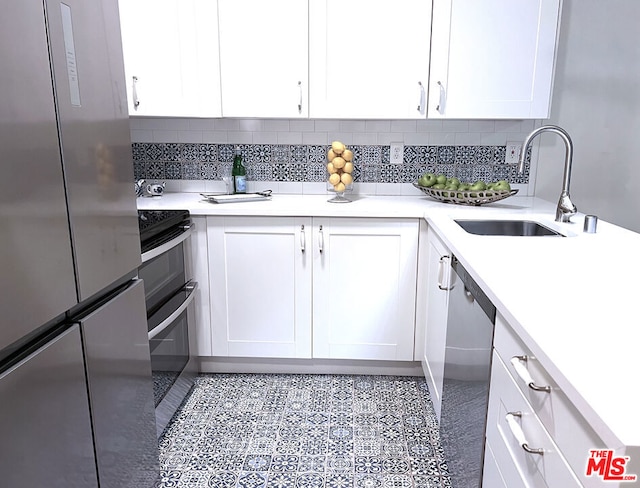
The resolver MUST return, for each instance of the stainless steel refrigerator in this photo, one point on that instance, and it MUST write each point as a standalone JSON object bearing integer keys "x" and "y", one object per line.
{"x": 76, "y": 396}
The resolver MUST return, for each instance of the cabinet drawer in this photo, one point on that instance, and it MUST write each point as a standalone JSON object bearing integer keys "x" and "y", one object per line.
{"x": 492, "y": 476}
{"x": 548, "y": 469}
{"x": 568, "y": 428}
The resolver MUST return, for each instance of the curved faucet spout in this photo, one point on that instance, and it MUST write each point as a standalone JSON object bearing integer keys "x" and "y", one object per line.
{"x": 566, "y": 209}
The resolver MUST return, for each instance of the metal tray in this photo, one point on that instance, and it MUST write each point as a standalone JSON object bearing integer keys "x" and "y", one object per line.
{"x": 237, "y": 197}
{"x": 466, "y": 197}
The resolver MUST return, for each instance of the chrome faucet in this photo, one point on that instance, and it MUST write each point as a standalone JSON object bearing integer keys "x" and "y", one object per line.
{"x": 566, "y": 209}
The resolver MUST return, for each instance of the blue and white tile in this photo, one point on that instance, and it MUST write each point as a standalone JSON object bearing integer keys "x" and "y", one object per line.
{"x": 220, "y": 438}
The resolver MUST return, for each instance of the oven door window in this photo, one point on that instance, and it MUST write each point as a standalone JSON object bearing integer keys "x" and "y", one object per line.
{"x": 163, "y": 276}
{"x": 169, "y": 355}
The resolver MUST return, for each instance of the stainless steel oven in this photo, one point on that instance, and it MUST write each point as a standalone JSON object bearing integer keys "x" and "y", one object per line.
{"x": 169, "y": 295}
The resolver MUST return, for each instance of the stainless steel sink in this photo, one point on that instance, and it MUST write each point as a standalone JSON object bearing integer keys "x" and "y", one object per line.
{"x": 506, "y": 228}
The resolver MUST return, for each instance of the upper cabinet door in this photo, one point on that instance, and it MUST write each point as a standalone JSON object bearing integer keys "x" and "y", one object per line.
{"x": 171, "y": 57}
{"x": 264, "y": 58}
{"x": 369, "y": 60}
{"x": 492, "y": 59}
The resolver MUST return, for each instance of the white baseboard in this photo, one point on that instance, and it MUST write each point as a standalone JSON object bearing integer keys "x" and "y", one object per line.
{"x": 309, "y": 366}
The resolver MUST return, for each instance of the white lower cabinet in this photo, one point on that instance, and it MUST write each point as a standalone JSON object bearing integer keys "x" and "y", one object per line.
{"x": 513, "y": 428}
{"x": 364, "y": 288}
{"x": 278, "y": 282}
{"x": 260, "y": 286}
{"x": 548, "y": 420}
{"x": 437, "y": 282}
{"x": 547, "y": 406}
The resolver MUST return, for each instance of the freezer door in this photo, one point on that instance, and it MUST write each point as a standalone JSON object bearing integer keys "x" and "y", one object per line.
{"x": 36, "y": 281}
{"x": 44, "y": 419}
{"x": 86, "y": 52}
{"x": 121, "y": 390}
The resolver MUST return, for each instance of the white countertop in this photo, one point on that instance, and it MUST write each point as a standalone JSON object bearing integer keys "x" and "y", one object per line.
{"x": 571, "y": 299}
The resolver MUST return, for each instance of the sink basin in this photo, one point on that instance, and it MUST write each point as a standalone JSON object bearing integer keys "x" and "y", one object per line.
{"x": 506, "y": 228}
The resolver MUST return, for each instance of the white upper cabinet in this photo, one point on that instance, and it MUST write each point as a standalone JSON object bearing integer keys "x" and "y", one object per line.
{"x": 171, "y": 57}
{"x": 263, "y": 58}
{"x": 369, "y": 60}
{"x": 492, "y": 58}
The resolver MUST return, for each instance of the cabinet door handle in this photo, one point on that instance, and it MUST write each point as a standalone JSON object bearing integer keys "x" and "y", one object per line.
{"x": 320, "y": 240}
{"x": 523, "y": 373}
{"x": 302, "y": 238}
{"x": 421, "y": 99}
{"x": 300, "y": 97}
{"x": 134, "y": 93}
{"x": 443, "y": 99}
{"x": 441, "y": 266}
{"x": 518, "y": 433}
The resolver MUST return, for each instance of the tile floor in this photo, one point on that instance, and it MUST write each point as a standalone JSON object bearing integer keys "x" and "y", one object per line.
{"x": 303, "y": 431}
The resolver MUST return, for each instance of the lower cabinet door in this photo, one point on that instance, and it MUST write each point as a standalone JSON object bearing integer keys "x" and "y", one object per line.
{"x": 260, "y": 286}
{"x": 45, "y": 426}
{"x": 364, "y": 288}
{"x": 439, "y": 280}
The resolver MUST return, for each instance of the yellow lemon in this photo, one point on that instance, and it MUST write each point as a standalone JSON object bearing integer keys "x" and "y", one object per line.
{"x": 334, "y": 179}
{"x": 346, "y": 178}
{"x": 331, "y": 169}
{"x": 347, "y": 155}
{"x": 337, "y": 147}
{"x": 348, "y": 167}
{"x": 338, "y": 162}
{"x": 339, "y": 187}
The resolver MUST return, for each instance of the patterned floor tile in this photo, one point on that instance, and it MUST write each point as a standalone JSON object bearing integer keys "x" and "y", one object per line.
{"x": 303, "y": 431}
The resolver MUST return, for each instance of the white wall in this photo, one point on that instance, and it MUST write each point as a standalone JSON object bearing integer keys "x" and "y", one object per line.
{"x": 597, "y": 100}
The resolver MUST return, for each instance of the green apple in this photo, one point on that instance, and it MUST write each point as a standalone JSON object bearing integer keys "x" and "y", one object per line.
{"x": 453, "y": 182}
{"x": 438, "y": 186}
{"x": 441, "y": 179}
{"x": 502, "y": 185}
{"x": 427, "y": 180}
{"x": 463, "y": 186}
{"x": 490, "y": 186}
{"x": 478, "y": 186}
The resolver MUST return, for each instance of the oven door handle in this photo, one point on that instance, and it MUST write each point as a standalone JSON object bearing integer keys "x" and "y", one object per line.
{"x": 156, "y": 251}
{"x": 189, "y": 288}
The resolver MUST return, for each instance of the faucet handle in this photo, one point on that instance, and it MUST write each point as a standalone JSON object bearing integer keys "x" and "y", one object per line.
{"x": 566, "y": 209}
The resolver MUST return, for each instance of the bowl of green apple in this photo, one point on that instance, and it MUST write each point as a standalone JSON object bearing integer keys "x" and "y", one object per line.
{"x": 452, "y": 190}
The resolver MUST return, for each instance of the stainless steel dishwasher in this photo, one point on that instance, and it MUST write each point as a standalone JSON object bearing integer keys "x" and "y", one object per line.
{"x": 467, "y": 366}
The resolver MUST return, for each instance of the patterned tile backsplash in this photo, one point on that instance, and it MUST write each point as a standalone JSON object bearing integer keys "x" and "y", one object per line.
{"x": 307, "y": 163}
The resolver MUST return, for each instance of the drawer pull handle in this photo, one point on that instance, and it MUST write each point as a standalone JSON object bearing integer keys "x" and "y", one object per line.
{"x": 523, "y": 372}
{"x": 320, "y": 240}
{"x": 302, "y": 238}
{"x": 517, "y": 432}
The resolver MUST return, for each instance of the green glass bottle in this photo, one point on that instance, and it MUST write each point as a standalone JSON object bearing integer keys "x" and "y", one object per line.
{"x": 239, "y": 173}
